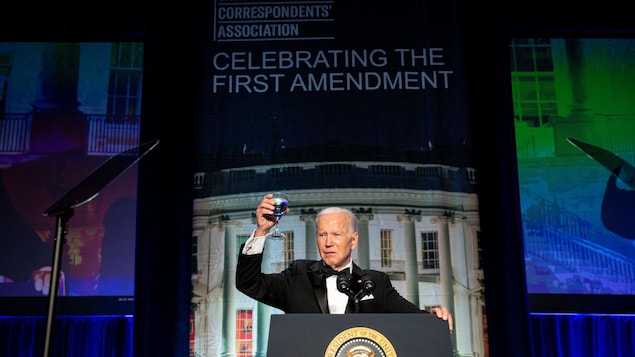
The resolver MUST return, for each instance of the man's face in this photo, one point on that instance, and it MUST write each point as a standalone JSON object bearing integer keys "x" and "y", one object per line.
{"x": 335, "y": 240}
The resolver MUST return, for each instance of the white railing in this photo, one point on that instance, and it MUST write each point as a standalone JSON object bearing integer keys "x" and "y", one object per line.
{"x": 15, "y": 130}
{"x": 106, "y": 136}
{"x": 109, "y": 137}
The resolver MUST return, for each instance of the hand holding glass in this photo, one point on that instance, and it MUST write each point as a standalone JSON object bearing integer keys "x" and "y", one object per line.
{"x": 280, "y": 208}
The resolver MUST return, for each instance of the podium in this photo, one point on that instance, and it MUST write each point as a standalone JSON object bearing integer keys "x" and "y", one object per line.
{"x": 330, "y": 335}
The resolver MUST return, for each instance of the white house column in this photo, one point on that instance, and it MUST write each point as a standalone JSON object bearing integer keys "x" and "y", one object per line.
{"x": 308, "y": 217}
{"x": 445, "y": 261}
{"x": 410, "y": 251}
{"x": 445, "y": 268}
{"x": 467, "y": 310}
{"x": 263, "y": 313}
{"x": 363, "y": 241}
{"x": 208, "y": 288}
{"x": 229, "y": 296}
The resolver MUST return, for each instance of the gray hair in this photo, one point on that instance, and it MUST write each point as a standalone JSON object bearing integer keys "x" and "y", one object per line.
{"x": 351, "y": 217}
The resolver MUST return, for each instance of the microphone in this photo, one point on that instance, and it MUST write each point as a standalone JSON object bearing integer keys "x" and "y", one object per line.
{"x": 367, "y": 287}
{"x": 344, "y": 283}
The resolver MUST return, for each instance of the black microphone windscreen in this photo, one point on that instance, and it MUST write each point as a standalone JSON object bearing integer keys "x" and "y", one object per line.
{"x": 367, "y": 284}
{"x": 343, "y": 283}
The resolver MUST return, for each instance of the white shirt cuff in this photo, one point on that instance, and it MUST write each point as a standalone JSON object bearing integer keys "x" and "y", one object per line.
{"x": 254, "y": 245}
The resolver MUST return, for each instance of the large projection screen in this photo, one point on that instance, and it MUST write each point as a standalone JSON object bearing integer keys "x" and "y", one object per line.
{"x": 574, "y": 119}
{"x": 65, "y": 108}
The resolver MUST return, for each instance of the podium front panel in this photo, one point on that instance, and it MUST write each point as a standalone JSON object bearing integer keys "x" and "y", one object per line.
{"x": 378, "y": 335}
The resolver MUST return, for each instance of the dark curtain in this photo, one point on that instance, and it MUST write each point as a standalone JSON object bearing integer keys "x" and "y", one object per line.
{"x": 581, "y": 335}
{"x": 75, "y": 336}
{"x": 508, "y": 327}
{"x": 553, "y": 335}
{"x": 163, "y": 266}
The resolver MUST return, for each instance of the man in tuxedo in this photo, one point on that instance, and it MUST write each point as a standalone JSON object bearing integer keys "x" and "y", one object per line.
{"x": 333, "y": 284}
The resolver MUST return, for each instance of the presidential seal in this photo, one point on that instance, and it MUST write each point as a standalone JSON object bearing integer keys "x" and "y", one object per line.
{"x": 360, "y": 342}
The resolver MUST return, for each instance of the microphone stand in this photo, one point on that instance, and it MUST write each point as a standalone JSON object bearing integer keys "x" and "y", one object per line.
{"x": 63, "y": 210}
{"x": 357, "y": 303}
{"x": 61, "y": 229}
{"x": 358, "y": 297}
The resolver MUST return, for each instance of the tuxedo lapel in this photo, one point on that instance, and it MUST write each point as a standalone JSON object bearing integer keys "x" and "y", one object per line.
{"x": 318, "y": 281}
{"x": 320, "y": 295}
{"x": 357, "y": 271}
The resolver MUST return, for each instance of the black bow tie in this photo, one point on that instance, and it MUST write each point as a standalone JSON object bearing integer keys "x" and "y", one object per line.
{"x": 327, "y": 271}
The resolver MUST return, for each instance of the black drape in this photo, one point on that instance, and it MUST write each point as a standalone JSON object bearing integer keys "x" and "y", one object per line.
{"x": 164, "y": 234}
{"x": 501, "y": 239}
{"x": 582, "y": 335}
{"x": 554, "y": 335}
{"x": 74, "y": 336}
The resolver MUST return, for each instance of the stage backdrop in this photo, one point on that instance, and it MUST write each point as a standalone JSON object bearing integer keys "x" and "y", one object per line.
{"x": 360, "y": 104}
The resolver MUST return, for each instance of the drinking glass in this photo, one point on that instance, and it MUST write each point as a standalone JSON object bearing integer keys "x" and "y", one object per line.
{"x": 282, "y": 201}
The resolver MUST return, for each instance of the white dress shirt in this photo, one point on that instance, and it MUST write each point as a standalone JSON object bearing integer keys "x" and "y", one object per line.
{"x": 337, "y": 300}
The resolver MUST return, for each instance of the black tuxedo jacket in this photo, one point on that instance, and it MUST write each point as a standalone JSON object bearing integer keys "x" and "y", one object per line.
{"x": 301, "y": 288}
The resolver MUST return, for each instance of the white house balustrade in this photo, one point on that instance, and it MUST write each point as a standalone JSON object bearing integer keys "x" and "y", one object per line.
{"x": 396, "y": 266}
{"x": 577, "y": 265}
{"x": 224, "y": 156}
{"x": 568, "y": 253}
{"x": 312, "y": 175}
{"x": 15, "y": 131}
{"x": 107, "y": 135}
